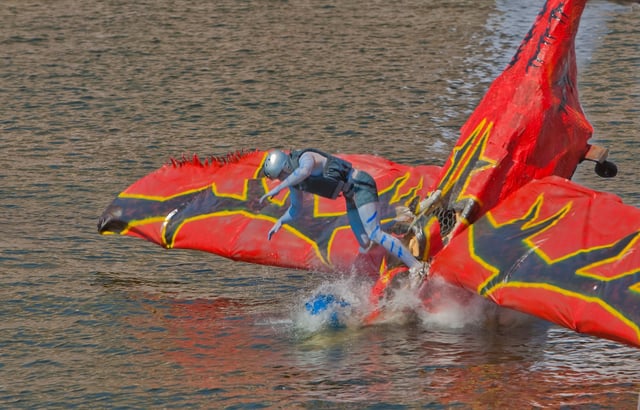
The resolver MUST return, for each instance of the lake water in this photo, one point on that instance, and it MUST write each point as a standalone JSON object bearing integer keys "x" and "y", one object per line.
{"x": 95, "y": 94}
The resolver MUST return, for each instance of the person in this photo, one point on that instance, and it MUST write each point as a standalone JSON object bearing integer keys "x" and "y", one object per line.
{"x": 311, "y": 170}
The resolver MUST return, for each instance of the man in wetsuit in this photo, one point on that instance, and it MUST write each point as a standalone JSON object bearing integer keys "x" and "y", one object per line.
{"x": 319, "y": 173}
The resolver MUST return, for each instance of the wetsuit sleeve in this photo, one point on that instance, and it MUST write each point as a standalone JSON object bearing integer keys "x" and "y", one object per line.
{"x": 291, "y": 213}
{"x": 294, "y": 207}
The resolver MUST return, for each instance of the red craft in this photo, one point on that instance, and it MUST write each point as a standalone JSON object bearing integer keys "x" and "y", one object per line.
{"x": 501, "y": 218}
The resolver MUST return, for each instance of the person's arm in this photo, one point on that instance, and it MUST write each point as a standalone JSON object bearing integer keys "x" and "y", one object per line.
{"x": 291, "y": 213}
{"x": 305, "y": 167}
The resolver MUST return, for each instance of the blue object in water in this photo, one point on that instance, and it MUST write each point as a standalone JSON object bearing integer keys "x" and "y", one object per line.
{"x": 323, "y": 302}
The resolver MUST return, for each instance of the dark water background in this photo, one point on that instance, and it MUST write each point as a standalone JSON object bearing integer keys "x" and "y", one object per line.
{"x": 95, "y": 94}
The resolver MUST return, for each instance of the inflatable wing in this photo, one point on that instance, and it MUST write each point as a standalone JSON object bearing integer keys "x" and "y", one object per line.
{"x": 557, "y": 251}
{"x": 213, "y": 206}
{"x": 523, "y": 235}
{"x": 528, "y": 125}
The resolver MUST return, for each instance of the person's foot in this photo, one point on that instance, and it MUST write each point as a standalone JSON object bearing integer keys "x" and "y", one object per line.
{"x": 366, "y": 249}
{"x": 417, "y": 274}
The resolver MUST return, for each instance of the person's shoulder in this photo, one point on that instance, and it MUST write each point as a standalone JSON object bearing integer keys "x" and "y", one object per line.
{"x": 308, "y": 154}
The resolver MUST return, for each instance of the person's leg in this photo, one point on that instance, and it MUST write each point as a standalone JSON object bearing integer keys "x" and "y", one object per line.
{"x": 370, "y": 220}
{"x": 356, "y": 226}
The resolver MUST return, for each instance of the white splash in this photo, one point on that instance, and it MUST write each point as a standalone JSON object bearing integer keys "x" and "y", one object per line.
{"x": 436, "y": 304}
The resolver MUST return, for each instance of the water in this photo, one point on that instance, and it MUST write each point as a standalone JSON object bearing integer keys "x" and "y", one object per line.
{"x": 94, "y": 95}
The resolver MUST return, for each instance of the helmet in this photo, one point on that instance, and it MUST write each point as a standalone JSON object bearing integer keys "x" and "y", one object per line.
{"x": 276, "y": 162}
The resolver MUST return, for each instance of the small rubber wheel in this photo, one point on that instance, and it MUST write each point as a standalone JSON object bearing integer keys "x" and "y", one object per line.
{"x": 606, "y": 169}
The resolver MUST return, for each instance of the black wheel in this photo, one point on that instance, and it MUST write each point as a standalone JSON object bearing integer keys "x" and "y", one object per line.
{"x": 606, "y": 169}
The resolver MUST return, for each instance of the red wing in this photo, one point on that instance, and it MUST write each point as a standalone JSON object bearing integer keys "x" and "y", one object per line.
{"x": 530, "y": 122}
{"x": 557, "y": 251}
{"x": 213, "y": 206}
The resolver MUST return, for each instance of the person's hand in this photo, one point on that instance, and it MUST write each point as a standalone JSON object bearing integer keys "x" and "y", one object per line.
{"x": 276, "y": 227}
{"x": 269, "y": 194}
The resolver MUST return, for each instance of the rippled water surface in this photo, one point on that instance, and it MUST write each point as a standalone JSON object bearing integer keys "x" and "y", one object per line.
{"x": 95, "y": 94}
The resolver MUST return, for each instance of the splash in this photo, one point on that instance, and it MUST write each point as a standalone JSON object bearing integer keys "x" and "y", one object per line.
{"x": 452, "y": 307}
{"x": 335, "y": 304}
{"x": 344, "y": 304}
